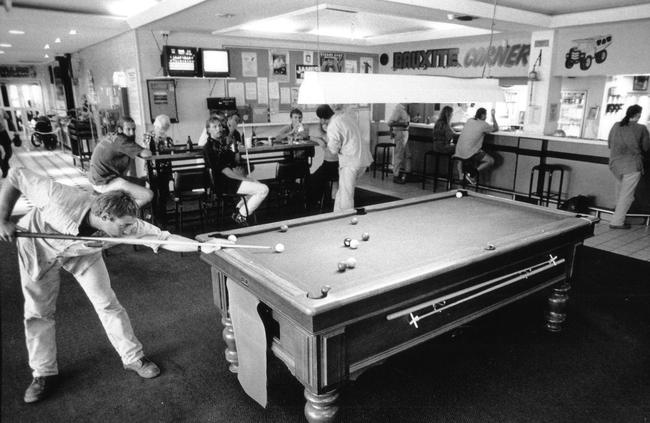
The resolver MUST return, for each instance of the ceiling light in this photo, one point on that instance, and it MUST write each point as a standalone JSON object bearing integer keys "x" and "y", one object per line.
{"x": 5, "y": 45}
{"x": 47, "y": 56}
{"x": 16, "y": 32}
{"x": 47, "y": 47}
{"x": 58, "y": 40}
{"x": 450, "y": 16}
{"x": 73, "y": 32}
{"x": 225, "y": 15}
{"x": 2, "y": 52}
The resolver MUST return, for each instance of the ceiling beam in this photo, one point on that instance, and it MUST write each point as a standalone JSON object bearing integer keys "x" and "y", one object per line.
{"x": 162, "y": 10}
{"x": 617, "y": 14}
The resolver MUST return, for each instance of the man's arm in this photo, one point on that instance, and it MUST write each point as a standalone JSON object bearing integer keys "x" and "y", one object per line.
{"x": 9, "y": 195}
{"x": 495, "y": 125}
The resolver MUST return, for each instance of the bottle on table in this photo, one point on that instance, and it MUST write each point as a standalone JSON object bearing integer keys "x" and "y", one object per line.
{"x": 189, "y": 144}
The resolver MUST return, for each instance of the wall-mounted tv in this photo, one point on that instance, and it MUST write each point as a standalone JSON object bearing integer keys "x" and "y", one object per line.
{"x": 216, "y": 63}
{"x": 181, "y": 61}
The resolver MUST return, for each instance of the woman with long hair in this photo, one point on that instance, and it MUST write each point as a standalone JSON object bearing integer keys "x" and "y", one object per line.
{"x": 627, "y": 142}
{"x": 443, "y": 135}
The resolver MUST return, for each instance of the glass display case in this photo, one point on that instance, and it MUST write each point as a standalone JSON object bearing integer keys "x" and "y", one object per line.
{"x": 572, "y": 113}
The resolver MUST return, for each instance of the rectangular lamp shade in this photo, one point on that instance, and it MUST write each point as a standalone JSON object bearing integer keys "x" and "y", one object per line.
{"x": 348, "y": 88}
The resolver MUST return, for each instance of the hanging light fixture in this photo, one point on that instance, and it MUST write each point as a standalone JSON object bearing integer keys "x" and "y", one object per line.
{"x": 353, "y": 88}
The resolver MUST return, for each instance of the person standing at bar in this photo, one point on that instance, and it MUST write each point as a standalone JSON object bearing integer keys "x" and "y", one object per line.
{"x": 344, "y": 138}
{"x": 399, "y": 124}
{"x": 627, "y": 141}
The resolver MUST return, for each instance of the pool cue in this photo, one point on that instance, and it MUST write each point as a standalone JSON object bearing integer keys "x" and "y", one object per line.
{"x": 248, "y": 160}
{"x": 133, "y": 241}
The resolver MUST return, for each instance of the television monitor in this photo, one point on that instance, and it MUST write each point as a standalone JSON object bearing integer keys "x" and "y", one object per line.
{"x": 181, "y": 61}
{"x": 216, "y": 63}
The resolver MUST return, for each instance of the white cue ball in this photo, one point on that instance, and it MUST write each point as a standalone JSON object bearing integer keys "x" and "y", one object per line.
{"x": 284, "y": 228}
{"x": 354, "y": 221}
{"x": 459, "y": 194}
{"x": 354, "y": 244}
{"x": 351, "y": 263}
{"x": 279, "y": 248}
{"x": 232, "y": 238}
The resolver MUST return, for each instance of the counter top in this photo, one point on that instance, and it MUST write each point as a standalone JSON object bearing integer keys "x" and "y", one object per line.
{"x": 523, "y": 134}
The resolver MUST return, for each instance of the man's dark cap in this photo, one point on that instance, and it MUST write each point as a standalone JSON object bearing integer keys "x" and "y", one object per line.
{"x": 324, "y": 111}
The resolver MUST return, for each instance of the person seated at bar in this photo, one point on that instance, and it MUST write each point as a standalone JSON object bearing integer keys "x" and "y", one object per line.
{"x": 443, "y": 135}
{"x": 326, "y": 172}
{"x": 295, "y": 130}
{"x": 157, "y": 140}
{"x": 219, "y": 114}
{"x": 112, "y": 164}
{"x": 470, "y": 145}
{"x": 226, "y": 174}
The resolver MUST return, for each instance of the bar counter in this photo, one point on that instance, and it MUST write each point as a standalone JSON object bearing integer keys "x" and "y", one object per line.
{"x": 585, "y": 162}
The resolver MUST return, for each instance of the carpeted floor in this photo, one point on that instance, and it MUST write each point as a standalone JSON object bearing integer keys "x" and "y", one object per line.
{"x": 501, "y": 368}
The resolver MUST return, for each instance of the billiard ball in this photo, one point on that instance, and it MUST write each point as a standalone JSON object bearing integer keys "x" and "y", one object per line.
{"x": 284, "y": 228}
{"x": 354, "y": 244}
{"x": 279, "y": 248}
{"x": 351, "y": 263}
{"x": 459, "y": 194}
{"x": 347, "y": 241}
{"x": 365, "y": 236}
{"x": 354, "y": 221}
{"x": 232, "y": 238}
{"x": 342, "y": 266}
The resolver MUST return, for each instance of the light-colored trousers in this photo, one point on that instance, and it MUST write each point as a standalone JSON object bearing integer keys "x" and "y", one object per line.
{"x": 348, "y": 177}
{"x": 40, "y": 305}
{"x": 255, "y": 193}
{"x": 402, "y": 156}
{"x": 624, "y": 189}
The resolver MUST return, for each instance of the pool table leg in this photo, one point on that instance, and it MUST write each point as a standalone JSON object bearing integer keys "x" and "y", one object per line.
{"x": 556, "y": 315}
{"x": 231, "y": 348}
{"x": 321, "y": 408}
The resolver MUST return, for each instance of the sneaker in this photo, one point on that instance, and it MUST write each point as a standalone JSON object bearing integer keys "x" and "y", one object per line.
{"x": 40, "y": 388}
{"x": 470, "y": 179}
{"x": 623, "y": 226}
{"x": 239, "y": 219}
{"x": 144, "y": 368}
{"x": 399, "y": 180}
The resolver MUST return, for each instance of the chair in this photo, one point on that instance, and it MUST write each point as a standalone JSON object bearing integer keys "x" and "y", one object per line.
{"x": 289, "y": 183}
{"x": 384, "y": 165}
{"x": 545, "y": 194}
{"x": 189, "y": 186}
{"x": 436, "y": 163}
{"x": 326, "y": 198}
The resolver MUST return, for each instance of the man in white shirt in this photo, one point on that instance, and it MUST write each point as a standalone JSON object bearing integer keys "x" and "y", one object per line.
{"x": 344, "y": 138}
{"x": 66, "y": 210}
{"x": 399, "y": 124}
{"x": 470, "y": 145}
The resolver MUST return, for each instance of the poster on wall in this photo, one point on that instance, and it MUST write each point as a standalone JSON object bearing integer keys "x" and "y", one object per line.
{"x": 294, "y": 97}
{"x": 249, "y": 64}
{"x": 367, "y": 65}
{"x": 300, "y": 71}
{"x": 162, "y": 98}
{"x": 308, "y": 58}
{"x": 263, "y": 90}
{"x": 350, "y": 66}
{"x": 279, "y": 65}
{"x": 331, "y": 62}
{"x": 134, "y": 95}
{"x": 251, "y": 91}
{"x": 285, "y": 95}
{"x": 236, "y": 89}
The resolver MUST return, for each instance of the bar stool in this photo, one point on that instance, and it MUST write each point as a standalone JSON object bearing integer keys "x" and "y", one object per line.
{"x": 436, "y": 163}
{"x": 543, "y": 171}
{"x": 464, "y": 163}
{"x": 384, "y": 165}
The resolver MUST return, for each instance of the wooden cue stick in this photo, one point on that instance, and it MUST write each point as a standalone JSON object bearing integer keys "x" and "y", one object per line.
{"x": 131, "y": 241}
{"x": 248, "y": 160}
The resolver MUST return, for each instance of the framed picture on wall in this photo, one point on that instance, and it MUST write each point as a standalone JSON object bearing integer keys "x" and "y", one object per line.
{"x": 640, "y": 83}
{"x": 162, "y": 98}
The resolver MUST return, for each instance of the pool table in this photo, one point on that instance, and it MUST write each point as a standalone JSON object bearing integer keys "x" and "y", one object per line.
{"x": 430, "y": 264}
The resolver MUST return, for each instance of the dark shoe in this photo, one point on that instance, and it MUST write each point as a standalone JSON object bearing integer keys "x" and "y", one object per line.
{"x": 144, "y": 368}
{"x": 239, "y": 219}
{"x": 470, "y": 179}
{"x": 623, "y": 226}
{"x": 399, "y": 180}
{"x": 40, "y": 388}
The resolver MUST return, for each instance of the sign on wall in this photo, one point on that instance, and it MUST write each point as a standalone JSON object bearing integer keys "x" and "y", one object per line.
{"x": 586, "y": 51}
{"x": 162, "y": 98}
